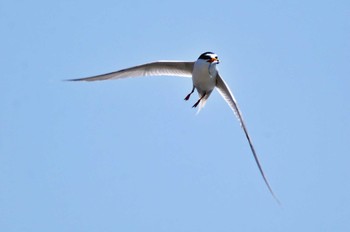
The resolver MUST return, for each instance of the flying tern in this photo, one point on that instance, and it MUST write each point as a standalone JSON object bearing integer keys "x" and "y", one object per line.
{"x": 205, "y": 77}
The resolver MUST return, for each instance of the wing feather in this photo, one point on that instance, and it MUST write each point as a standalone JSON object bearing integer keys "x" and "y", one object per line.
{"x": 158, "y": 68}
{"x": 226, "y": 93}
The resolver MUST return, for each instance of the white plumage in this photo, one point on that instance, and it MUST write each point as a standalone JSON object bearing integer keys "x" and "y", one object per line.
{"x": 205, "y": 77}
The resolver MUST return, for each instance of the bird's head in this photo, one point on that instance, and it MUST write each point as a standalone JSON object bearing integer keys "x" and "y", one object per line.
{"x": 209, "y": 57}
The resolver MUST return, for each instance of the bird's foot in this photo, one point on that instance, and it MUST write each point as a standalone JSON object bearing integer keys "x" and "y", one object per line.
{"x": 187, "y": 97}
{"x": 199, "y": 100}
{"x": 196, "y": 104}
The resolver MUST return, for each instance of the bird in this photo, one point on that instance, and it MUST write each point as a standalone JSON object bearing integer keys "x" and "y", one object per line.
{"x": 205, "y": 78}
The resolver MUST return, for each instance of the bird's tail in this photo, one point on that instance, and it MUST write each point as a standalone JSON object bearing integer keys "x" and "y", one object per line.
{"x": 202, "y": 102}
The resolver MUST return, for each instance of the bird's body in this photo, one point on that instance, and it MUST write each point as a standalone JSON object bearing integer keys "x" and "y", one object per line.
{"x": 205, "y": 77}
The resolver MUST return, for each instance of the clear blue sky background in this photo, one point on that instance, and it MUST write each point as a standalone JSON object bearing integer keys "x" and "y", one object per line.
{"x": 132, "y": 155}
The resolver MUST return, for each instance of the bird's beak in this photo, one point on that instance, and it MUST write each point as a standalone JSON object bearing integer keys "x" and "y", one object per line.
{"x": 214, "y": 60}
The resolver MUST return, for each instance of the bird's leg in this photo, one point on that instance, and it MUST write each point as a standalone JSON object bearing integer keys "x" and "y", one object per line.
{"x": 188, "y": 96}
{"x": 196, "y": 104}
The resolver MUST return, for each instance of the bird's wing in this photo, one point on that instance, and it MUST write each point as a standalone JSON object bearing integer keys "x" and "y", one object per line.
{"x": 230, "y": 99}
{"x": 158, "y": 68}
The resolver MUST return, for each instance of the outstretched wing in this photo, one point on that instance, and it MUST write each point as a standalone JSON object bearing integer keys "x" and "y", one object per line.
{"x": 158, "y": 68}
{"x": 230, "y": 99}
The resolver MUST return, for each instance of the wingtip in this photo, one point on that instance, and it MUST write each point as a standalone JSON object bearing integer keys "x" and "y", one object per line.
{"x": 78, "y": 79}
{"x": 274, "y": 195}
{"x": 69, "y": 80}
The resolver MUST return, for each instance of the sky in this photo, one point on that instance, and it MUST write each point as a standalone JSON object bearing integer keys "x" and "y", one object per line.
{"x": 132, "y": 155}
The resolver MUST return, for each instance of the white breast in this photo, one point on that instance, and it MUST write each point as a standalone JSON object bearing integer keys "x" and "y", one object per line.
{"x": 204, "y": 76}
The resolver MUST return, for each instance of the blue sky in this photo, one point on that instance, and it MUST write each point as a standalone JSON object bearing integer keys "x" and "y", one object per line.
{"x": 131, "y": 155}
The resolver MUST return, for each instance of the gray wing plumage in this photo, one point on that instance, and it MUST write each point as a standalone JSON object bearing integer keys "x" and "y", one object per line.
{"x": 158, "y": 68}
{"x": 230, "y": 99}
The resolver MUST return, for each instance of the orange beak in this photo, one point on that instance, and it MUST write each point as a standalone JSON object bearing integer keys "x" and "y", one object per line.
{"x": 213, "y": 59}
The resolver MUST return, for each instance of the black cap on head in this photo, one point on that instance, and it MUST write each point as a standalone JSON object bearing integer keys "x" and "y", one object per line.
{"x": 206, "y": 55}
